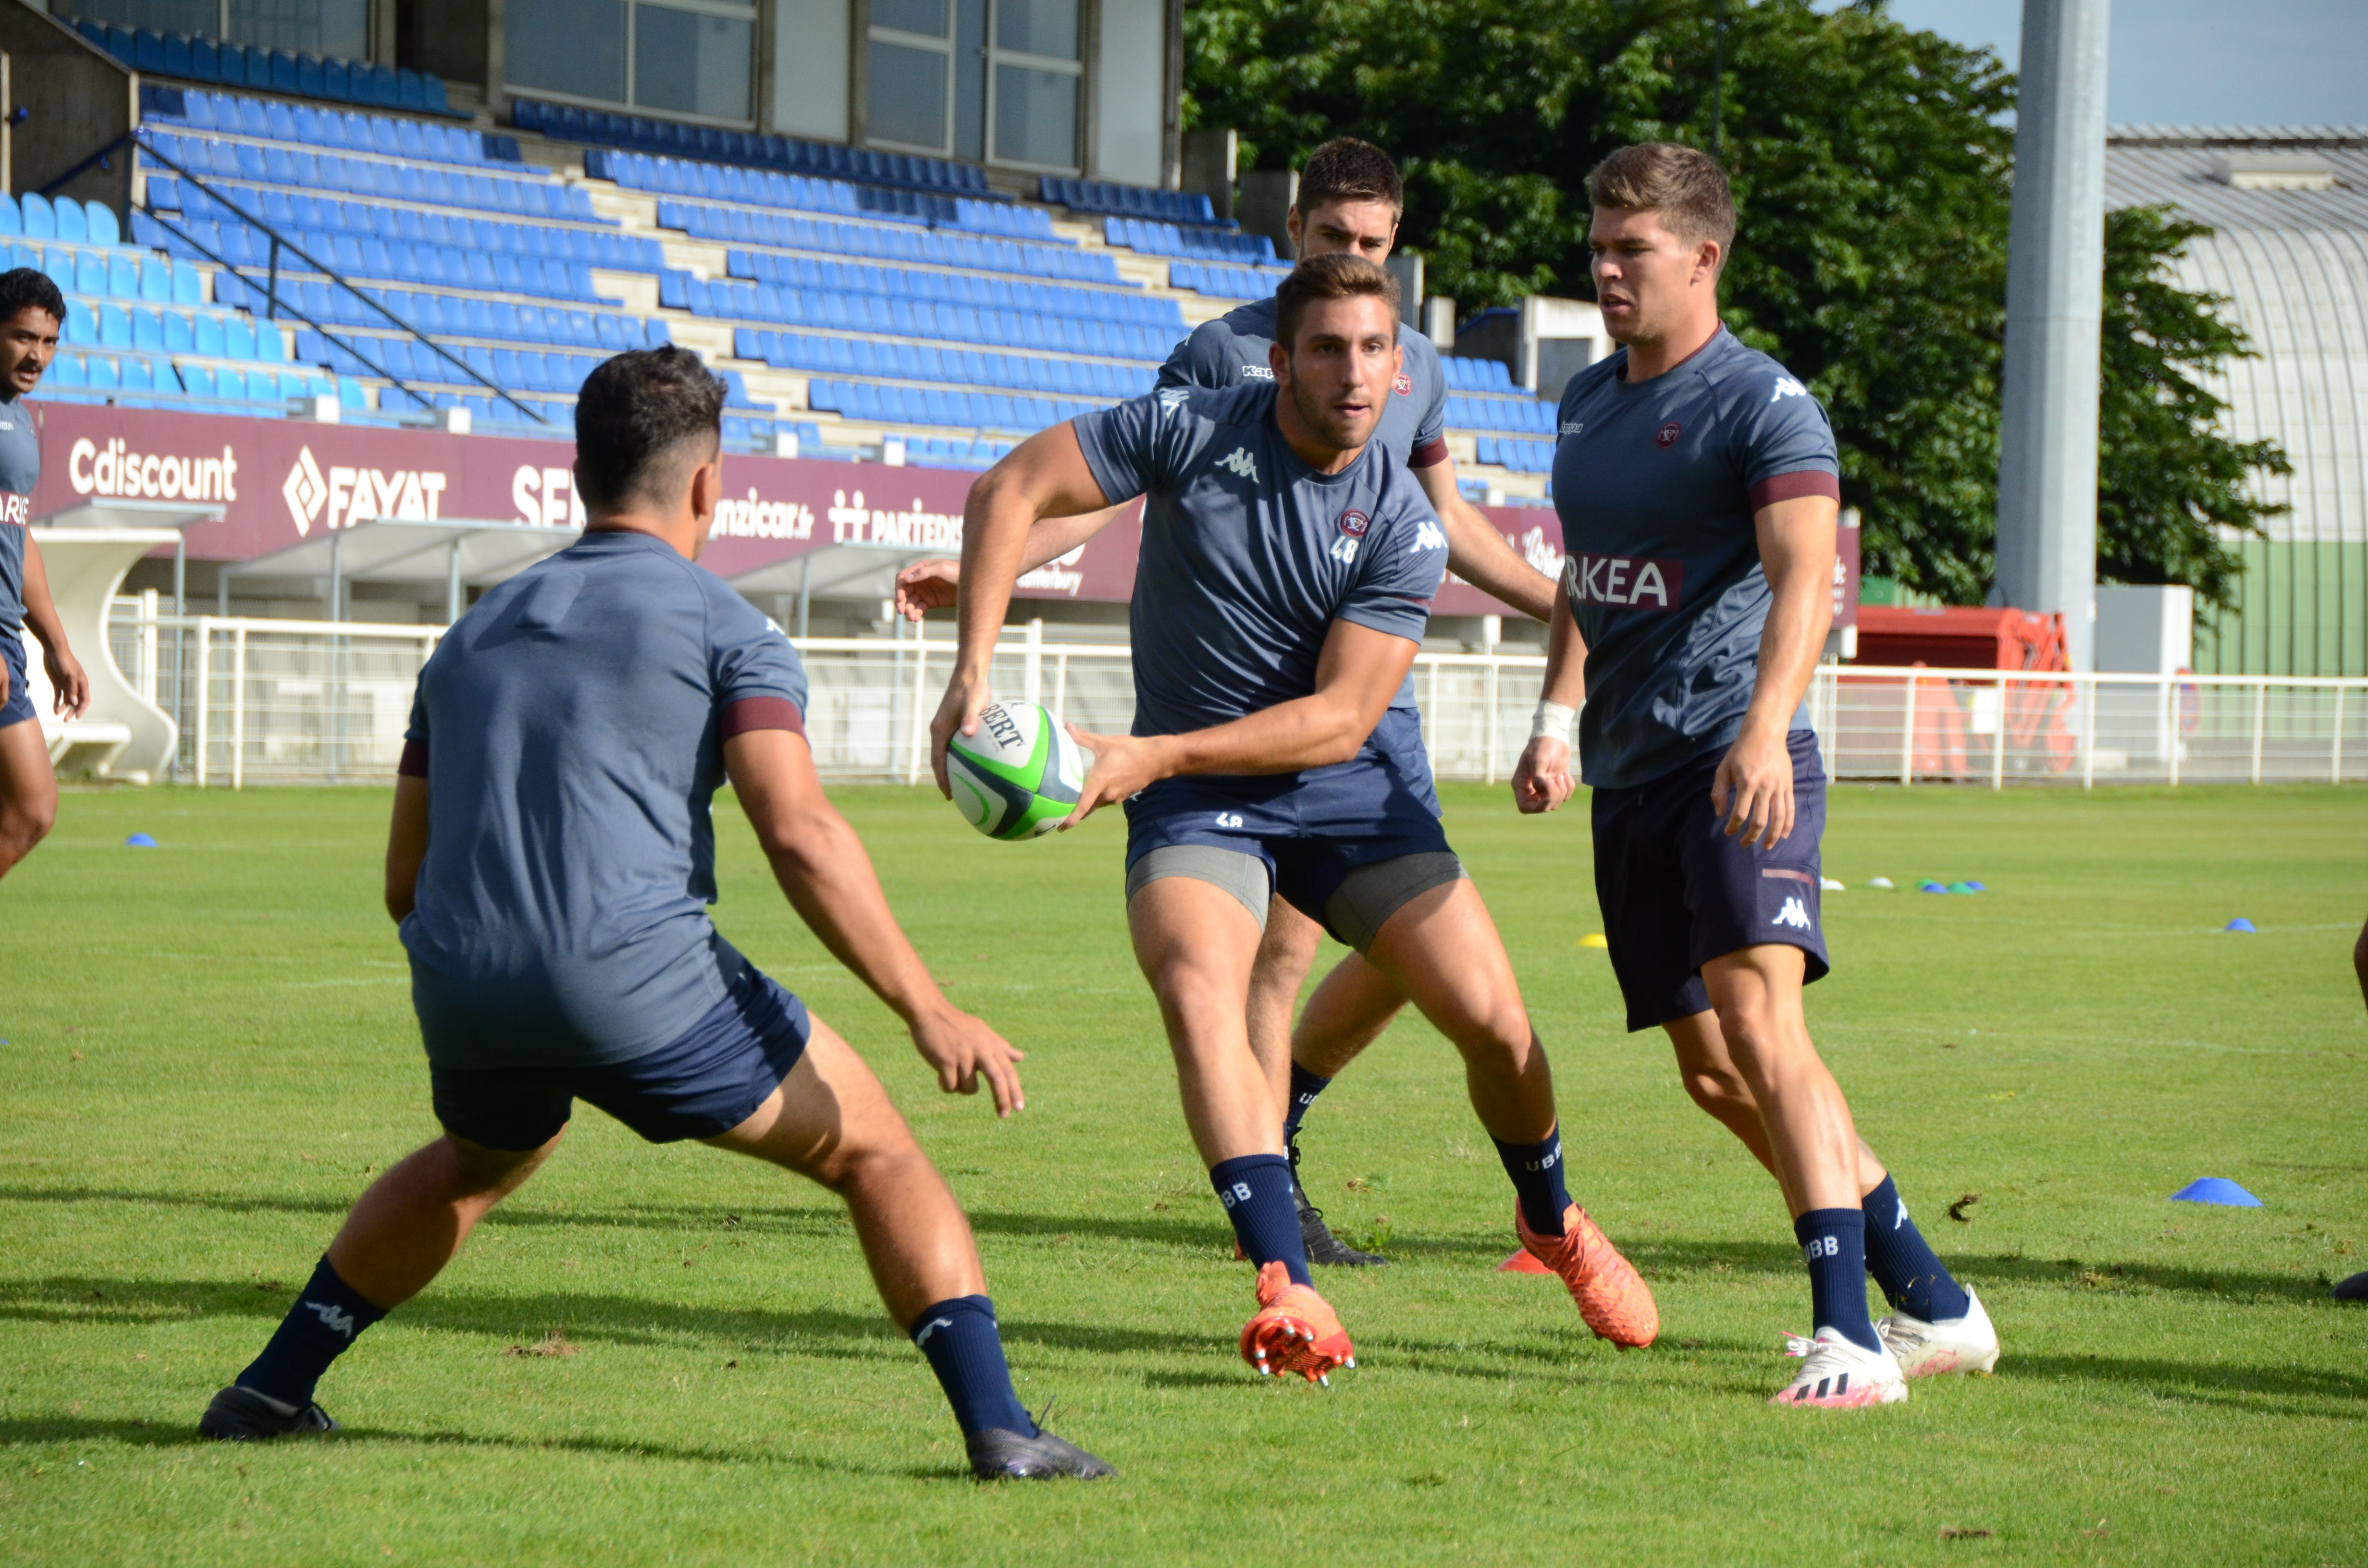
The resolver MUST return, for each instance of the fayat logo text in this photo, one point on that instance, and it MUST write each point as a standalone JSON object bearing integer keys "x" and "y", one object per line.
{"x": 116, "y": 471}
{"x": 342, "y": 498}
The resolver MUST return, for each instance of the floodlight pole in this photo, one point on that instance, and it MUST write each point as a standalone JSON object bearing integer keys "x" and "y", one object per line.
{"x": 2055, "y": 308}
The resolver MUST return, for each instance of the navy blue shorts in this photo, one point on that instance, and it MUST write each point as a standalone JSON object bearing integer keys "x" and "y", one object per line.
{"x": 1677, "y": 892}
{"x": 19, "y": 706}
{"x": 1310, "y": 829}
{"x": 709, "y": 1080}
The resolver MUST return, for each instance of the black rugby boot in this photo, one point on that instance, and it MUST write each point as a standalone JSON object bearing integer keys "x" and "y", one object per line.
{"x": 1323, "y": 1246}
{"x": 243, "y": 1416}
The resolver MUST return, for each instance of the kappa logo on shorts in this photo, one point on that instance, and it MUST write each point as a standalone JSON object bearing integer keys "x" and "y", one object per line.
{"x": 1240, "y": 464}
{"x": 1667, "y": 436}
{"x": 1404, "y": 385}
{"x": 1794, "y": 914}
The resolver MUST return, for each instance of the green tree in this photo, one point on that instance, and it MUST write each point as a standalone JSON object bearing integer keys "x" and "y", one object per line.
{"x": 1872, "y": 170}
{"x": 2170, "y": 483}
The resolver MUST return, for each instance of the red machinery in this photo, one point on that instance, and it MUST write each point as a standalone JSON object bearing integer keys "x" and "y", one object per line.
{"x": 2031, "y": 713}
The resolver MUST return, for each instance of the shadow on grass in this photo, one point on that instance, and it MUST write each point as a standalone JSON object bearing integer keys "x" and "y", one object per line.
{"x": 159, "y": 1434}
{"x": 2183, "y": 1379}
{"x": 1660, "y": 1259}
{"x": 1182, "y": 1232}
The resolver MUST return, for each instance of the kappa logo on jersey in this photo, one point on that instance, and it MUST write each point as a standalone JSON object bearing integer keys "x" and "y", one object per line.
{"x": 15, "y": 511}
{"x": 1787, "y": 387}
{"x": 1574, "y": 427}
{"x": 1258, "y": 372}
{"x": 1426, "y": 535}
{"x": 1239, "y": 463}
{"x": 335, "y": 1319}
{"x": 1794, "y": 914}
{"x": 1667, "y": 436}
{"x": 1173, "y": 398}
{"x": 1404, "y": 385}
{"x": 1355, "y": 523}
{"x": 1624, "y": 580}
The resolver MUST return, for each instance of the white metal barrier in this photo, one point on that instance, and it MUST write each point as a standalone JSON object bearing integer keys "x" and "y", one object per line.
{"x": 318, "y": 702}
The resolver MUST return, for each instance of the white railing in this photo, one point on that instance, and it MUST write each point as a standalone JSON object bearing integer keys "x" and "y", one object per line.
{"x": 316, "y": 702}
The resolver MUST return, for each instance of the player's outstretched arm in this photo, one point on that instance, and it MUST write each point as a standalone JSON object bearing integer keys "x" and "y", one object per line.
{"x": 1360, "y": 670}
{"x": 823, "y": 867}
{"x": 1044, "y": 476}
{"x": 1478, "y": 553}
{"x": 1541, "y": 778}
{"x": 67, "y": 676}
{"x": 407, "y": 844}
{"x": 926, "y": 585}
{"x": 1753, "y": 789}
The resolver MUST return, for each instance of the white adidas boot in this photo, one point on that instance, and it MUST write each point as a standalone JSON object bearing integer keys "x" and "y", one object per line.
{"x": 1836, "y": 1374}
{"x": 1967, "y": 1344}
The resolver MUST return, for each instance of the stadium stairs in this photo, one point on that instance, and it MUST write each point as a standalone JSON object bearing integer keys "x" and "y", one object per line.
{"x": 846, "y": 313}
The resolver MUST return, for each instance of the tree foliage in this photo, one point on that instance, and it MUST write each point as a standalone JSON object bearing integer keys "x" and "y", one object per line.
{"x": 1872, "y": 171}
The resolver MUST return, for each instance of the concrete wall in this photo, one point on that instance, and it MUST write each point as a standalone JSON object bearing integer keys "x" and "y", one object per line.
{"x": 75, "y": 100}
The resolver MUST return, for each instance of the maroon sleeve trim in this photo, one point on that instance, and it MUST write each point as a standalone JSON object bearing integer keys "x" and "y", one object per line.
{"x": 1431, "y": 454}
{"x": 762, "y": 713}
{"x": 414, "y": 760}
{"x": 1792, "y": 487}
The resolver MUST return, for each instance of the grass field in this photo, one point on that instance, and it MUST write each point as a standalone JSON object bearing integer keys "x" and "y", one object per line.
{"x": 209, "y": 1049}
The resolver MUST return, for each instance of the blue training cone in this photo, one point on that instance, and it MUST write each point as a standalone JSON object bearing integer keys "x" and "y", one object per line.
{"x": 141, "y": 841}
{"x": 1932, "y": 887}
{"x": 2215, "y": 1189}
{"x": 2241, "y": 924}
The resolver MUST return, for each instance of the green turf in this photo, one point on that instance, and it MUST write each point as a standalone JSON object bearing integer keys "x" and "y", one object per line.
{"x": 209, "y": 1052}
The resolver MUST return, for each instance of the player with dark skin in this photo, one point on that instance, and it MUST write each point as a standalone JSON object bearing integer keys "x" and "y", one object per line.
{"x": 1356, "y": 1001}
{"x": 29, "y": 787}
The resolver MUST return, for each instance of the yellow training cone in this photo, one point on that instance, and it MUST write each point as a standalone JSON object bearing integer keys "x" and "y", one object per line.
{"x": 1594, "y": 939}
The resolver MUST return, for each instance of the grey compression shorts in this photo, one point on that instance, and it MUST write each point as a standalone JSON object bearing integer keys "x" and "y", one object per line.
{"x": 1354, "y": 913}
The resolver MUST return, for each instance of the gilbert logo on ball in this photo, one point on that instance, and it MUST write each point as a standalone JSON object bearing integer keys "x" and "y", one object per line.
{"x": 1019, "y": 775}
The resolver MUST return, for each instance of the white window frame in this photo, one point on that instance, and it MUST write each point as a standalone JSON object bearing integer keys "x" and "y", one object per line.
{"x": 996, "y": 57}
{"x": 730, "y": 9}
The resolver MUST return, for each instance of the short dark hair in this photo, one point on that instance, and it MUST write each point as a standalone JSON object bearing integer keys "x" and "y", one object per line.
{"x": 1684, "y": 184}
{"x": 1344, "y": 169}
{"x": 26, "y": 288}
{"x": 1340, "y": 276}
{"x": 635, "y": 409}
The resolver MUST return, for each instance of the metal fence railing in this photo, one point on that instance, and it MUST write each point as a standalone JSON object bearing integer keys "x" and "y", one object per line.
{"x": 317, "y": 702}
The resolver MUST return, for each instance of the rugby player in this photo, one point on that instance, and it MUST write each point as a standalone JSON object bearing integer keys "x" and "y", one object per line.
{"x": 31, "y": 312}
{"x": 1350, "y": 202}
{"x": 1288, "y": 562}
{"x": 1698, "y": 490}
{"x": 550, "y": 861}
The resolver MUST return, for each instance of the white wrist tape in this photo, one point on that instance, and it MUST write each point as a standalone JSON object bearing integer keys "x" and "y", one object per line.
{"x": 1553, "y": 722}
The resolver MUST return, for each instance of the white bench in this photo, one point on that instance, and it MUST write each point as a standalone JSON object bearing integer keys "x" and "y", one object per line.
{"x": 121, "y": 735}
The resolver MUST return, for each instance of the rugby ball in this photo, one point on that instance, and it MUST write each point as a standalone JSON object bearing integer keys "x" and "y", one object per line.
{"x": 1019, "y": 775}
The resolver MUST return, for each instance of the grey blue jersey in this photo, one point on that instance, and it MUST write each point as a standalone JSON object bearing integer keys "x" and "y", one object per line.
{"x": 1249, "y": 555}
{"x": 20, "y": 469}
{"x": 1656, "y": 484}
{"x": 571, "y": 729}
{"x": 1230, "y": 350}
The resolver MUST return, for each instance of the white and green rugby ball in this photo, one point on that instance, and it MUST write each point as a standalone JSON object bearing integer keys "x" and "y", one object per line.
{"x": 1019, "y": 775}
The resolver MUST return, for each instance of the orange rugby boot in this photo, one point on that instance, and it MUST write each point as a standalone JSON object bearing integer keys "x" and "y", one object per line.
{"x": 1611, "y": 1297}
{"x": 1296, "y": 1330}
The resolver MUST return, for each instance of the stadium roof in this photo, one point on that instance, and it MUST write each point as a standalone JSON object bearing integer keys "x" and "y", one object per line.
{"x": 2290, "y": 253}
{"x": 457, "y": 551}
{"x": 2243, "y": 177}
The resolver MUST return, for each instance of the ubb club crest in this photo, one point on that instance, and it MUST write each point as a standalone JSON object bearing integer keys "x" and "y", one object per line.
{"x": 1668, "y": 433}
{"x": 1404, "y": 385}
{"x": 1354, "y": 524}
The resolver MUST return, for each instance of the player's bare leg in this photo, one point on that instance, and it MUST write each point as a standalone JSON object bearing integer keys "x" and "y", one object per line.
{"x": 1196, "y": 944}
{"x": 1756, "y": 1040}
{"x": 1286, "y": 953}
{"x": 413, "y": 1220}
{"x": 1441, "y": 950}
{"x": 28, "y": 790}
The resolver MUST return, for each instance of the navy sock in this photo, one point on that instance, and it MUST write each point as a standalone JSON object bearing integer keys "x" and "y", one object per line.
{"x": 322, "y": 1326}
{"x": 1305, "y": 1087}
{"x": 1255, "y": 1191}
{"x": 1833, "y": 1244}
{"x": 1536, "y": 1170}
{"x": 965, "y": 1350}
{"x": 1913, "y": 1280}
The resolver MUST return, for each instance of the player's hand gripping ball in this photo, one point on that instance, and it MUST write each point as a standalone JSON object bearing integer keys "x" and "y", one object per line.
{"x": 1019, "y": 775}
